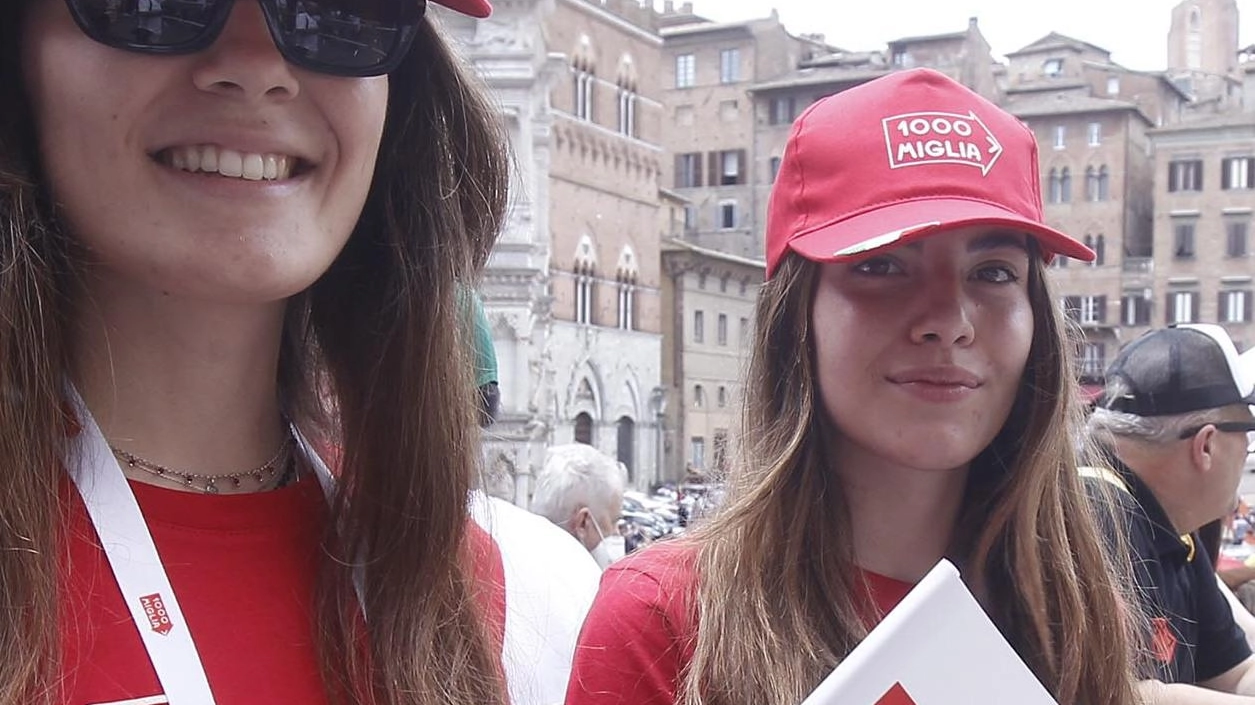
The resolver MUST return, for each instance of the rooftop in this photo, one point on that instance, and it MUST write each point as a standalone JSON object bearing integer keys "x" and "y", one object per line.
{"x": 1210, "y": 122}
{"x": 821, "y": 77}
{"x": 1054, "y": 40}
{"x": 1066, "y": 103}
{"x": 671, "y": 244}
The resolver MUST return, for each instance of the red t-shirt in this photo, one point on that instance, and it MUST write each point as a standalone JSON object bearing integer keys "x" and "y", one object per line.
{"x": 243, "y": 568}
{"x": 639, "y": 636}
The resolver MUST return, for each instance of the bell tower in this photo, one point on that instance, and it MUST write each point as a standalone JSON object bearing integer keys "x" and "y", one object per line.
{"x": 1203, "y": 47}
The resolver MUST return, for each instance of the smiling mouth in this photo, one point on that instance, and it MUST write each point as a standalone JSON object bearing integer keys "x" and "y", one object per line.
{"x": 229, "y": 163}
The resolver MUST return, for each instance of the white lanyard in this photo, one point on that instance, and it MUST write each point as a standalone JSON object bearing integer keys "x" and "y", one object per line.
{"x": 132, "y": 556}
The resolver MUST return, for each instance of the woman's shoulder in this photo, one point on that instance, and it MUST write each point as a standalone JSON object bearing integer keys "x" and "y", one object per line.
{"x": 659, "y": 574}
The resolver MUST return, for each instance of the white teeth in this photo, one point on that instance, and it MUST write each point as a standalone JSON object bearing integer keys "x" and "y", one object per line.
{"x": 209, "y": 159}
{"x": 254, "y": 167}
{"x": 230, "y": 163}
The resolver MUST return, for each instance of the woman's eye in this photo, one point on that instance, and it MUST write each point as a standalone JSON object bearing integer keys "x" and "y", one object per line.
{"x": 997, "y": 274}
{"x": 879, "y": 266}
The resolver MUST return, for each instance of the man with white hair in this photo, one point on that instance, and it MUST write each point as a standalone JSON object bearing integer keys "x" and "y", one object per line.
{"x": 1174, "y": 419}
{"x": 581, "y": 489}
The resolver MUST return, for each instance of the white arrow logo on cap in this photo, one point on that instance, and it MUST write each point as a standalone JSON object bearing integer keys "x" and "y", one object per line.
{"x": 935, "y": 137}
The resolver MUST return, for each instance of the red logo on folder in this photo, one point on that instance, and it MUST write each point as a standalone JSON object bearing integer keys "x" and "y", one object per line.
{"x": 155, "y": 610}
{"x": 897, "y": 695}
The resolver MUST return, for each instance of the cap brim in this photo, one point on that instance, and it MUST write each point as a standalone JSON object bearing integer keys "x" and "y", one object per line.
{"x": 475, "y": 8}
{"x": 900, "y": 223}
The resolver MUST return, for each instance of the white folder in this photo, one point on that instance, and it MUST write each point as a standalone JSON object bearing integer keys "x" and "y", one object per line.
{"x": 937, "y": 647}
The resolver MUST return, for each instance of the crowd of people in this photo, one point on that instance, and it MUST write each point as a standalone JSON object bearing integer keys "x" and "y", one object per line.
{"x": 241, "y": 404}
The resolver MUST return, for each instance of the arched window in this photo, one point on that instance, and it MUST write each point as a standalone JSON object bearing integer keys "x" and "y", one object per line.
{"x": 1091, "y": 183}
{"x": 1053, "y": 192}
{"x": 699, "y": 397}
{"x": 723, "y": 397}
{"x": 1065, "y": 185}
{"x": 584, "y": 80}
{"x": 1100, "y": 250}
{"x": 1194, "y": 40}
{"x": 585, "y": 281}
{"x": 627, "y": 444}
{"x": 584, "y": 428}
{"x": 627, "y": 96}
{"x": 1104, "y": 188}
{"x": 625, "y": 280}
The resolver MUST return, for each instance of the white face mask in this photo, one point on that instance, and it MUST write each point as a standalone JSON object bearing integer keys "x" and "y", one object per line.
{"x": 608, "y": 550}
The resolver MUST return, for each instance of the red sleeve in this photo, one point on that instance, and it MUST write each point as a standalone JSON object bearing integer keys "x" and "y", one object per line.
{"x": 488, "y": 572}
{"x": 632, "y": 648}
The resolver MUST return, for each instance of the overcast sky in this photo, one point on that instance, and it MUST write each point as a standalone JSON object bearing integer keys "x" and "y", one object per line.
{"x": 1134, "y": 31}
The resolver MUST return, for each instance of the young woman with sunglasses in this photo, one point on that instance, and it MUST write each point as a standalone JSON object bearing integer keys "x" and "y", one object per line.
{"x": 229, "y": 238}
{"x": 910, "y": 397}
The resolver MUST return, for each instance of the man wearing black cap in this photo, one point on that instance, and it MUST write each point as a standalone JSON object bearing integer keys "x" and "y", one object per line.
{"x": 1174, "y": 419}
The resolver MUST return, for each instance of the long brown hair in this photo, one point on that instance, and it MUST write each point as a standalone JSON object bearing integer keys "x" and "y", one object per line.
{"x": 776, "y": 600}
{"x": 371, "y": 361}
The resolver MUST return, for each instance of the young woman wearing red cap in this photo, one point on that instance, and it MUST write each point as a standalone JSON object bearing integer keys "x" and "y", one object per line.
{"x": 232, "y": 234}
{"x": 910, "y": 397}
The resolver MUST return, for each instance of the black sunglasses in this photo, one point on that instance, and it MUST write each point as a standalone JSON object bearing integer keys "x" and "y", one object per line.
{"x": 338, "y": 37}
{"x": 1229, "y": 426}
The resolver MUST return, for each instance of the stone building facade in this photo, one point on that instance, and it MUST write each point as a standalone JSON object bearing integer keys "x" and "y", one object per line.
{"x": 708, "y": 303}
{"x": 1204, "y": 207}
{"x": 573, "y": 287}
{"x": 711, "y": 121}
{"x": 1091, "y": 117}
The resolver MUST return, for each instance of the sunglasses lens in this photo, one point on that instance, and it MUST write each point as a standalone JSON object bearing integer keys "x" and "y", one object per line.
{"x": 348, "y": 36}
{"x": 155, "y": 24}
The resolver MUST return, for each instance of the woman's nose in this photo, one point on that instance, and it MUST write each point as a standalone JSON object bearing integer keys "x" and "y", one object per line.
{"x": 244, "y": 61}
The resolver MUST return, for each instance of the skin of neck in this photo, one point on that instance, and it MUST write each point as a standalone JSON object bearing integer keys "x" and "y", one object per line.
{"x": 1163, "y": 467}
{"x": 902, "y": 518}
{"x": 187, "y": 384}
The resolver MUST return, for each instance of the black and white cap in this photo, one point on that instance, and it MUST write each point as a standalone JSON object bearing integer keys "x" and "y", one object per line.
{"x": 1178, "y": 370}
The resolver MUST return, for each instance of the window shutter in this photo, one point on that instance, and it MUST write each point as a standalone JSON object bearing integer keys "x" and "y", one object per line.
{"x": 742, "y": 167}
{"x": 1101, "y": 305}
{"x": 1194, "y": 297}
{"x": 1246, "y": 308}
{"x": 713, "y": 168}
{"x": 679, "y": 171}
{"x": 1169, "y": 311}
{"x": 1225, "y": 166}
{"x": 1222, "y": 305}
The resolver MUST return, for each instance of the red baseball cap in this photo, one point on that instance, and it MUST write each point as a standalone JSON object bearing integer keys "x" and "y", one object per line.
{"x": 897, "y": 159}
{"x": 474, "y": 8}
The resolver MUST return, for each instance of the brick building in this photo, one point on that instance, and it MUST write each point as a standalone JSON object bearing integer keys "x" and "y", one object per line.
{"x": 572, "y": 288}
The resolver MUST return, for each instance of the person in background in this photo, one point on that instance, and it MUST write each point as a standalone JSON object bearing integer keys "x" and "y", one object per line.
{"x": 581, "y": 490}
{"x": 1173, "y": 424}
{"x": 549, "y": 578}
{"x": 910, "y": 398}
{"x": 219, "y": 254}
